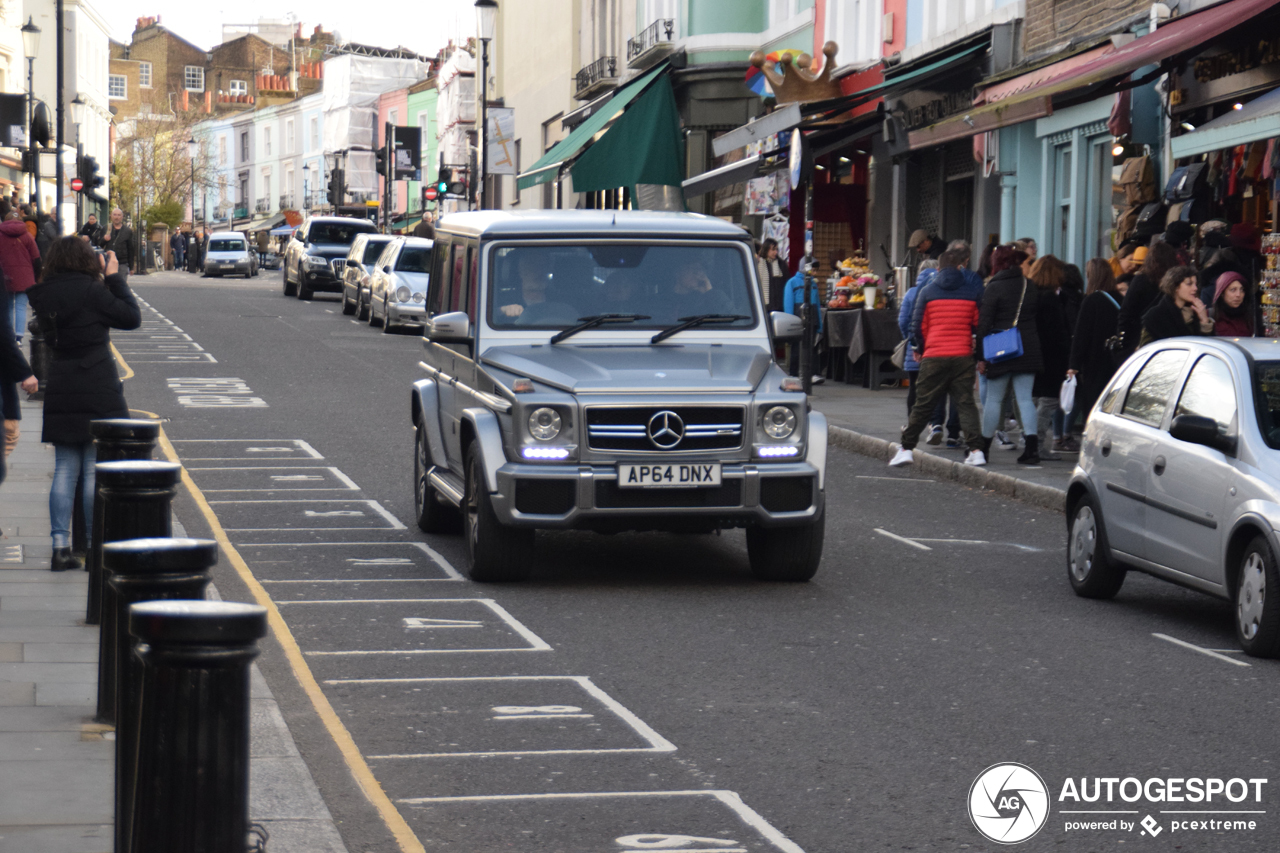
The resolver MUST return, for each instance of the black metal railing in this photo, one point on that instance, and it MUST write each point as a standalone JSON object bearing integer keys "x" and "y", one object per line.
{"x": 286, "y": 201}
{"x": 263, "y": 206}
{"x": 604, "y": 68}
{"x": 659, "y": 32}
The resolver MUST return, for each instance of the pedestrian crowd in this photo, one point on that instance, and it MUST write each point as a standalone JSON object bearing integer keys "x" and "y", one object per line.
{"x": 1026, "y": 339}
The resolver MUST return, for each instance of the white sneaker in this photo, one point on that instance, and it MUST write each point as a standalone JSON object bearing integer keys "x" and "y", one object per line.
{"x": 935, "y": 435}
{"x": 902, "y": 457}
{"x": 975, "y": 458}
{"x": 818, "y": 379}
{"x": 1002, "y": 441}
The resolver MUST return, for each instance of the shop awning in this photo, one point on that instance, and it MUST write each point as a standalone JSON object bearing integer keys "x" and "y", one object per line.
{"x": 1257, "y": 120}
{"x": 266, "y": 224}
{"x": 547, "y": 168}
{"x": 905, "y": 79}
{"x": 733, "y": 173}
{"x": 644, "y": 146}
{"x": 1170, "y": 40}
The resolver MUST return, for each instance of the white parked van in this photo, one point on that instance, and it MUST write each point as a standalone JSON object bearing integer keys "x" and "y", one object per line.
{"x": 229, "y": 253}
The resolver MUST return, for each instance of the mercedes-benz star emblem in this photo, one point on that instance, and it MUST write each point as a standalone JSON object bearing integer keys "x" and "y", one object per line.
{"x": 666, "y": 430}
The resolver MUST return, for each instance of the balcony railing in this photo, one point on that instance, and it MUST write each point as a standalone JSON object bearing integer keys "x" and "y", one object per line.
{"x": 263, "y": 206}
{"x": 286, "y": 201}
{"x": 240, "y": 213}
{"x": 593, "y": 77}
{"x": 659, "y": 33}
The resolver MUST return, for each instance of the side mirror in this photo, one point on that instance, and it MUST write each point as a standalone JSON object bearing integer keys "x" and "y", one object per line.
{"x": 352, "y": 263}
{"x": 786, "y": 327}
{"x": 451, "y": 328}
{"x": 1195, "y": 429}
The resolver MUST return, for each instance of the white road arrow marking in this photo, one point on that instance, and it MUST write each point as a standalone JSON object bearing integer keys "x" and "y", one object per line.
{"x": 424, "y": 622}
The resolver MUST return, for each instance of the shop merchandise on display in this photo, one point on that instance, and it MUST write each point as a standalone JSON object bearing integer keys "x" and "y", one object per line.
{"x": 1271, "y": 286}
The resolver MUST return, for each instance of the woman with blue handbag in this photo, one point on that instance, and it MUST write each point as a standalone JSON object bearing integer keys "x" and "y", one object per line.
{"x": 1009, "y": 344}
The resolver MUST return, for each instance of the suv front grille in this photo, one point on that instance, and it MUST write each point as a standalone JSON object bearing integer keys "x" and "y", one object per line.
{"x": 339, "y": 266}
{"x": 628, "y": 428}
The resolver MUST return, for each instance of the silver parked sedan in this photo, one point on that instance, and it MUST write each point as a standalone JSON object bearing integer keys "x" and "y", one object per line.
{"x": 1179, "y": 477}
{"x": 398, "y": 283}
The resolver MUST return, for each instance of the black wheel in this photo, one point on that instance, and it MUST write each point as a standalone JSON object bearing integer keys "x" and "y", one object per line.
{"x": 289, "y": 289}
{"x": 1090, "y": 568}
{"x": 433, "y": 513}
{"x": 305, "y": 291}
{"x": 494, "y": 553}
{"x": 387, "y": 327}
{"x": 348, "y": 307}
{"x": 373, "y": 316}
{"x": 786, "y": 553}
{"x": 363, "y": 309}
{"x": 1257, "y": 609}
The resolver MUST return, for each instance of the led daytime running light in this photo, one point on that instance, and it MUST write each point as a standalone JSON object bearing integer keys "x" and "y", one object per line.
{"x": 772, "y": 452}
{"x": 544, "y": 453}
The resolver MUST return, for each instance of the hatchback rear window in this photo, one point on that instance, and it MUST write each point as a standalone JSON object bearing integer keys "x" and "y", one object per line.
{"x": 226, "y": 245}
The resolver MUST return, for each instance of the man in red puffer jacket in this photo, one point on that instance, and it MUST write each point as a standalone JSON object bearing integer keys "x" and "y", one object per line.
{"x": 20, "y": 262}
{"x": 946, "y": 313}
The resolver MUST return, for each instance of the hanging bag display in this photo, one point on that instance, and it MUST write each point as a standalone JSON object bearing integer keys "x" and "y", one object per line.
{"x": 1002, "y": 346}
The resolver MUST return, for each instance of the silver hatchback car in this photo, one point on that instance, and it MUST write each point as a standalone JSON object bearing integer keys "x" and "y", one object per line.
{"x": 1179, "y": 477}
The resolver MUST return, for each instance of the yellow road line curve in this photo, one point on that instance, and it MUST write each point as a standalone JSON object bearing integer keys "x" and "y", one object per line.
{"x": 363, "y": 776}
{"x": 128, "y": 371}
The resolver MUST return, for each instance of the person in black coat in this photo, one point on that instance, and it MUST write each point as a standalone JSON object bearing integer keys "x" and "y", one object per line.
{"x": 1048, "y": 275}
{"x": 76, "y": 308}
{"x": 1143, "y": 292}
{"x": 13, "y": 368}
{"x": 1092, "y": 361}
{"x": 1179, "y": 310}
{"x": 119, "y": 239}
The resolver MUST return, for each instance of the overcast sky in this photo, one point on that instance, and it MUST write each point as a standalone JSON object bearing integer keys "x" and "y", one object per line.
{"x": 422, "y": 25}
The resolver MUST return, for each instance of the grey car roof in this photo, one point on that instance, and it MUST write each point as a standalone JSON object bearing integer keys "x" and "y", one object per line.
{"x": 595, "y": 223}
{"x": 1260, "y": 348}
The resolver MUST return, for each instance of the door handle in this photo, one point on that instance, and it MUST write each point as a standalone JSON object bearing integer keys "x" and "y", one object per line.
{"x": 1106, "y": 447}
{"x": 1159, "y": 465}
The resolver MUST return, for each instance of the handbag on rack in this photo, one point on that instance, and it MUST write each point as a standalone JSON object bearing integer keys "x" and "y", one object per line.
{"x": 1007, "y": 344}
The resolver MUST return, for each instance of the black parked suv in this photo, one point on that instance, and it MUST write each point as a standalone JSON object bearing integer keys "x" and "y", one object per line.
{"x": 317, "y": 252}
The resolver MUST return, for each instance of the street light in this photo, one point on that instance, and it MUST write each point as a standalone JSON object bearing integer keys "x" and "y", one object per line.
{"x": 486, "y": 23}
{"x": 306, "y": 186}
{"x": 30, "y": 47}
{"x": 192, "y": 148}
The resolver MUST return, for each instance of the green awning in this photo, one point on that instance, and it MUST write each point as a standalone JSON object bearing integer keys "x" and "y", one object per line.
{"x": 644, "y": 146}
{"x": 547, "y": 168}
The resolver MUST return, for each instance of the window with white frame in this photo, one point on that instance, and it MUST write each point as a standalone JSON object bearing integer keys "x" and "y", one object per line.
{"x": 781, "y": 10}
{"x": 392, "y": 115}
{"x": 117, "y": 86}
{"x": 222, "y": 189}
{"x": 193, "y": 78}
{"x": 244, "y": 146}
{"x": 144, "y": 75}
{"x": 855, "y": 25}
{"x": 315, "y": 133}
{"x": 222, "y": 151}
{"x": 424, "y": 129}
{"x": 266, "y": 142}
{"x": 288, "y": 136}
{"x": 238, "y": 87}
{"x": 287, "y": 187}
{"x": 266, "y": 184}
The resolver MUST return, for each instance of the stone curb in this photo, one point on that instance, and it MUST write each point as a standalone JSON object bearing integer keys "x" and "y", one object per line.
{"x": 944, "y": 469}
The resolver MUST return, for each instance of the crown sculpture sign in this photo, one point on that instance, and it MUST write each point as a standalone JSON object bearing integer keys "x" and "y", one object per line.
{"x": 799, "y": 78}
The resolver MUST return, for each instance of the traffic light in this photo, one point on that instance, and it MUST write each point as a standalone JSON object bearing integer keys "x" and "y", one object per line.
{"x": 459, "y": 187}
{"x": 381, "y": 157}
{"x": 443, "y": 181}
{"x": 335, "y": 187}
{"x": 92, "y": 180}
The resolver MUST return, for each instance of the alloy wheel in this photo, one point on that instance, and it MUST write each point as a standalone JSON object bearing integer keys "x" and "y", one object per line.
{"x": 420, "y": 463}
{"x": 473, "y": 507}
{"x": 1251, "y": 596}
{"x": 1084, "y": 543}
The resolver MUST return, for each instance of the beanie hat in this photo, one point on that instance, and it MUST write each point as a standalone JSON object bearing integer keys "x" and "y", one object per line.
{"x": 1178, "y": 233}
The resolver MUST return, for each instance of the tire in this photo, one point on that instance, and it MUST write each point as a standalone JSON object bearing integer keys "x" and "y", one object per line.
{"x": 289, "y": 289}
{"x": 373, "y": 317}
{"x": 305, "y": 292}
{"x": 494, "y": 553}
{"x": 387, "y": 327}
{"x": 362, "y": 310}
{"x": 1092, "y": 571}
{"x": 790, "y": 554}
{"x": 1258, "y": 601}
{"x": 433, "y": 514}
{"x": 348, "y": 307}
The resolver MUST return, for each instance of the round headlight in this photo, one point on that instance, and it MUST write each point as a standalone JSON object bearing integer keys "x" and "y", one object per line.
{"x": 419, "y": 296}
{"x": 779, "y": 422}
{"x": 403, "y": 294}
{"x": 544, "y": 424}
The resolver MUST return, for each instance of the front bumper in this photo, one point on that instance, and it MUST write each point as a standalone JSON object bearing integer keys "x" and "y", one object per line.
{"x": 226, "y": 268}
{"x": 406, "y": 312}
{"x": 320, "y": 278}
{"x": 587, "y": 497}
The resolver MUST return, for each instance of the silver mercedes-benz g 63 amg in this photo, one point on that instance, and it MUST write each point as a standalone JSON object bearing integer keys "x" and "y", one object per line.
{"x": 610, "y": 371}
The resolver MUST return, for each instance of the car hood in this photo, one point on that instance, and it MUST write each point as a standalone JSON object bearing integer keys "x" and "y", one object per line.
{"x": 415, "y": 281}
{"x": 602, "y": 369}
{"x": 324, "y": 250}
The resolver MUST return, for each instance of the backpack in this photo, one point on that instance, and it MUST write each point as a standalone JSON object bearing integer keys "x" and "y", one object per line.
{"x": 1186, "y": 183}
{"x": 1138, "y": 180}
{"x": 1127, "y": 222}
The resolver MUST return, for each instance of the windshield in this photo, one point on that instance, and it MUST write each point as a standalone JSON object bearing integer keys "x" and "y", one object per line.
{"x": 414, "y": 259}
{"x": 373, "y": 249}
{"x": 335, "y": 233}
{"x": 226, "y": 245}
{"x": 552, "y": 287}
{"x": 1267, "y": 377}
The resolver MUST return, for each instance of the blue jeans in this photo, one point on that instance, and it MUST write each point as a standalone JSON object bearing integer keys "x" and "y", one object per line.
{"x": 71, "y": 462}
{"x": 993, "y": 402}
{"x": 18, "y": 313}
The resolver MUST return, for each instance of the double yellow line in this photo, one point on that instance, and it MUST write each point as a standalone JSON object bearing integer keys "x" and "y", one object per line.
{"x": 355, "y": 762}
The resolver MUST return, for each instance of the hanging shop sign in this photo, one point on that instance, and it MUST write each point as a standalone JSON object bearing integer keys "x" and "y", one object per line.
{"x": 1230, "y": 68}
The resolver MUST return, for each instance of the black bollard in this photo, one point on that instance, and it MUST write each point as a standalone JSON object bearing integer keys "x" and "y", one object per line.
{"x": 145, "y": 570}
{"x": 135, "y": 505}
{"x": 192, "y": 788}
{"x": 115, "y": 439}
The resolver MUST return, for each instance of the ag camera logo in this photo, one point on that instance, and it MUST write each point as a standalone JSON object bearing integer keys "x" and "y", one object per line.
{"x": 1008, "y": 803}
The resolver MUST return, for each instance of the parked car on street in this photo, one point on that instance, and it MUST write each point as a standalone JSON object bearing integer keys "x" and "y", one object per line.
{"x": 360, "y": 262}
{"x": 317, "y": 252}
{"x": 1179, "y": 477}
{"x": 398, "y": 283}
{"x": 609, "y": 371}
{"x": 270, "y": 261}
{"x": 229, "y": 253}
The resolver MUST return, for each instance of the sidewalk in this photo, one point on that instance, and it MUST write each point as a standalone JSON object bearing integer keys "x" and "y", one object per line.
{"x": 56, "y": 764}
{"x": 879, "y": 416}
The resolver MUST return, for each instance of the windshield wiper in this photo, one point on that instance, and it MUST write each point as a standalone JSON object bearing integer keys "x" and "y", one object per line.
{"x": 596, "y": 320}
{"x": 690, "y": 322}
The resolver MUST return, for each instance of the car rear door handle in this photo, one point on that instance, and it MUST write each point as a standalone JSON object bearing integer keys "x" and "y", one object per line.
{"x": 1158, "y": 465}
{"x": 1106, "y": 447}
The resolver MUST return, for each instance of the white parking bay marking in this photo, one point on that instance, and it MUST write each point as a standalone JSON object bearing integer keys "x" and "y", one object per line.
{"x": 260, "y": 478}
{"x": 1184, "y": 644}
{"x": 913, "y": 543}
{"x": 537, "y": 809}
{"x": 214, "y": 392}
{"x": 243, "y": 449}
{"x": 347, "y": 562}
{"x": 297, "y": 514}
{"x": 424, "y": 622}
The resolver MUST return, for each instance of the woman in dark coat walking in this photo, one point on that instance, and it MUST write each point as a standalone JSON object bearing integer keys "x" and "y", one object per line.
{"x": 1009, "y": 302}
{"x": 1143, "y": 292}
{"x": 1091, "y": 362}
{"x": 1049, "y": 274}
{"x": 76, "y": 308}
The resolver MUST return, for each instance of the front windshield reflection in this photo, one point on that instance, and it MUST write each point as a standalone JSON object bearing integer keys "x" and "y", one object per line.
{"x": 553, "y": 287}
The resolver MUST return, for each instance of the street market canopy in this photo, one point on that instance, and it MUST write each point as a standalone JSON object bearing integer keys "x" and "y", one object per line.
{"x": 282, "y": 231}
{"x": 1257, "y": 120}
{"x": 548, "y": 167}
{"x": 1172, "y": 39}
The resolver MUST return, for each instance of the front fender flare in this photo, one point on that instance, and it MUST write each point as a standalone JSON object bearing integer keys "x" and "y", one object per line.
{"x": 425, "y": 404}
{"x": 488, "y": 435}
{"x": 817, "y": 452}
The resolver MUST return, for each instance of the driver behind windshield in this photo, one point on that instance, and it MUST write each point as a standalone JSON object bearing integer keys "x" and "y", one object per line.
{"x": 535, "y": 271}
{"x": 694, "y": 294}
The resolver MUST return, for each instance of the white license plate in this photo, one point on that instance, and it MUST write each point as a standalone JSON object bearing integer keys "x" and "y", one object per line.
{"x": 690, "y": 475}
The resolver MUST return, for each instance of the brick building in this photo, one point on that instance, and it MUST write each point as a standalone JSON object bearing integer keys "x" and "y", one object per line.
{"x": 1050, "y": 24}
{"x": 158, "y": 72}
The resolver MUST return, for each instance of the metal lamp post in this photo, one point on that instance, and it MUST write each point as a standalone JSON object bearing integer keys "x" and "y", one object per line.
{"x": 30, "y": 47}
{"x": 77, "y": 117}
{"x": 486, "y": 23}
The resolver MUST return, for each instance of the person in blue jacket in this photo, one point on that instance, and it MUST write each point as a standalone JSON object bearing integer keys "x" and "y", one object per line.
{"x": 792, "y": 298}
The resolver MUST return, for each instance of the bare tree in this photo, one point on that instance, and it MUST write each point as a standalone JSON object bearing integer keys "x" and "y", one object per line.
{"x": 153, "y": 167}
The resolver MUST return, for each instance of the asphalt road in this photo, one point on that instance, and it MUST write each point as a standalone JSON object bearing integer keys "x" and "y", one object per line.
{"x": 642, "y": 692}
